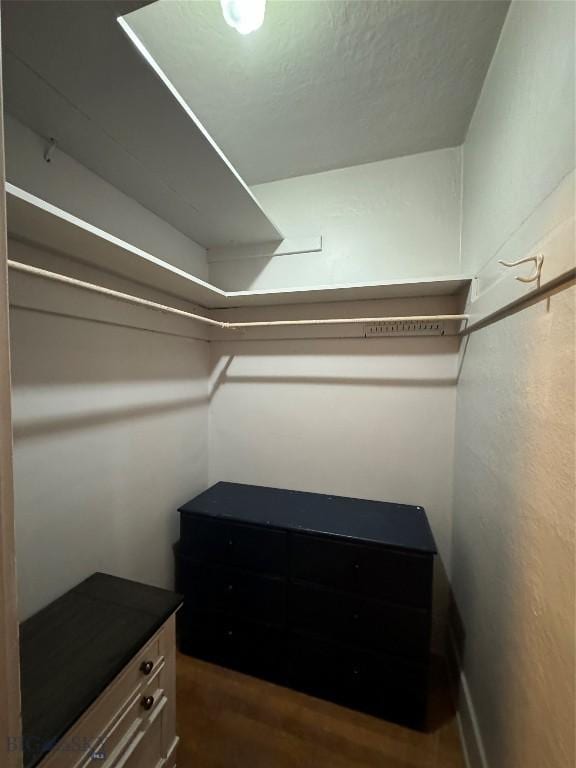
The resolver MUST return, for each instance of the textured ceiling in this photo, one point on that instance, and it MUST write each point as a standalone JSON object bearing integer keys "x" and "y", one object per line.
{"x": 326, "y": 83}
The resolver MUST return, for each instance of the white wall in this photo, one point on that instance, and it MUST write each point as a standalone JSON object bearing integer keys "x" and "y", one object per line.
{"x": 110, "y": 431}
{"x": 368, "y": 418}
{"x": 393, "y": 219}
{"x": 513, "y": 549}
{"x": 69, "y": 185}
{"x": 520, "y": 144}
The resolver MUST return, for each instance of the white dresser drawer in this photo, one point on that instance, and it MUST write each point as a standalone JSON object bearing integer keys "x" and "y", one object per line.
{"x": 145, "y": 748}
{"x": 132, "y": 720}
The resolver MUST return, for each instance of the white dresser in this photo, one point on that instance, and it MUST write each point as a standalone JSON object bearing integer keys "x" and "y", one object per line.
{"x": 131, "y": 722}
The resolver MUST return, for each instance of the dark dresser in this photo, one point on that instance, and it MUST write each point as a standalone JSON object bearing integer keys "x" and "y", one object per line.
{"x": 324, "y": 594}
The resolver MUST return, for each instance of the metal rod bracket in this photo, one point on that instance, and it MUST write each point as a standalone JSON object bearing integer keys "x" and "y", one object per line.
{"x": 535, "y": 276}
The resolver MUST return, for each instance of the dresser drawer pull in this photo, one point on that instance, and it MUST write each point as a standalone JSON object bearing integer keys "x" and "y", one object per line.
{"x": 146, "y": 667}
{"x": 158, "y": 710}
{"x": 131, "y": 749}
{"x": 147, "y": 702}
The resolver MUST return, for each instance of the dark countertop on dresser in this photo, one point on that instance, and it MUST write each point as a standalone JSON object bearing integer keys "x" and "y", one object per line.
{"x": 73, "y": 649}
{"x": 394, "y": 525}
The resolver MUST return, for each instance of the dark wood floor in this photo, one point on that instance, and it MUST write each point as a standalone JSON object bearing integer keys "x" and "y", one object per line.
{"x": 229, "y": 720}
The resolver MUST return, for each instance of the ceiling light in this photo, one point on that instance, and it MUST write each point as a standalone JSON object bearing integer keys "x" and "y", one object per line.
{"x": 244, "y": 15}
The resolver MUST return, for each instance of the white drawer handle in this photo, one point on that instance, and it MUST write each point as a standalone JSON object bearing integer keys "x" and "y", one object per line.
{"x": 130, "y": 751}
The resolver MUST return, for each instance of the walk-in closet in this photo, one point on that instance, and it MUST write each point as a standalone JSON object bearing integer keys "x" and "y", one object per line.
{"x": 287, "y": 384}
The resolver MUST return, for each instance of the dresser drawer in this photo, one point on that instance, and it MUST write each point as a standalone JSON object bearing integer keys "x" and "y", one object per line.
{"x": 233, "y": 591}
{"x": 359, "y": 621}
{"x": 385, "y": 686}
{"x": 145, "y": 749}
{"x": 379, "y": 572}
{"x": 256, "y": 649}
{"x": 129, "y": 724}
{"x": 245, "y": 546}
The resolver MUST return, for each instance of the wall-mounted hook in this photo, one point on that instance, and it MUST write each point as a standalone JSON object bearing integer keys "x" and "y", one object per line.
{"x": 49, "y": 151}
{"x": 538, "y": 263}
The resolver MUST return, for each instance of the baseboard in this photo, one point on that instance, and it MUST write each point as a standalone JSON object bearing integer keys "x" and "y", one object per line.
{"x": 469, "y": 729}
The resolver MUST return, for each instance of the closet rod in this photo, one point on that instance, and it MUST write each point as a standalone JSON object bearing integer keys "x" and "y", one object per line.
{"x": 130, "y": 299}
{"x": 18, "y": 266}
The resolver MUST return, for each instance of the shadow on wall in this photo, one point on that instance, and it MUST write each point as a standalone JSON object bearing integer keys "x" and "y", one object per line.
{"x": 79, "y": 350}
{"x": 354, "y": 346}
{"x": 404, "y": 348}
{"x": 455, "y": 640}
{"x": 241, "y": 275}
{"x": 59, "y": 367}
{"x": 338, "y": 380}
{"x": 34, "y": 428}
{"x": 111, "y": 435}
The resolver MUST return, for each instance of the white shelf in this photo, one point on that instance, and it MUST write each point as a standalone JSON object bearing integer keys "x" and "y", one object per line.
{"x": 72, "y": 73}
{"x": 389, "y": 289}
{"x": 33, "y": 220}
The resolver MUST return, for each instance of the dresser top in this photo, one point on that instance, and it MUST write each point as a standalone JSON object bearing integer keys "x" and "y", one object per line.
{"x": 379, "y": 522}
{"x": 73, "y": 649}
